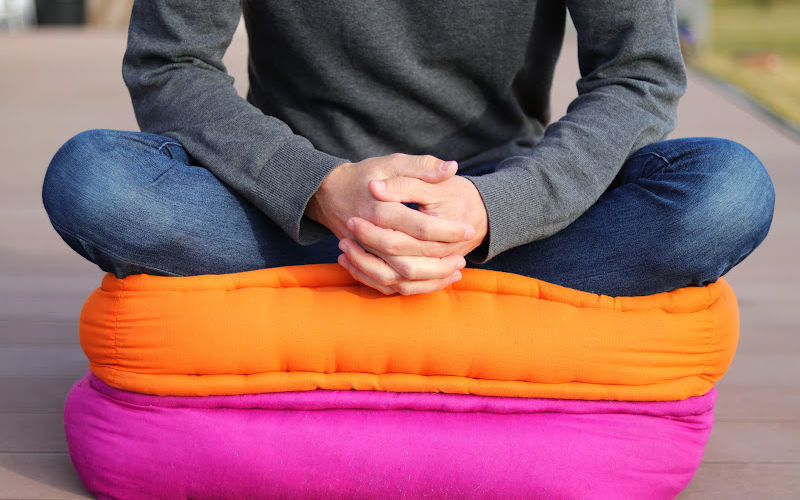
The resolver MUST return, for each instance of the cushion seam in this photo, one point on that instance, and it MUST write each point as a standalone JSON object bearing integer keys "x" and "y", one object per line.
{"x": 117, "y": 369}
{"x": 114, "y": 335}
{"x": 185, "y": 406}
{"x": 711, "y": 300}
{"x": 704, "y": 375}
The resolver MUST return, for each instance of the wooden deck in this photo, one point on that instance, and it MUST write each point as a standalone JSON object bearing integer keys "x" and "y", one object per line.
{"x": 54, "y": 84}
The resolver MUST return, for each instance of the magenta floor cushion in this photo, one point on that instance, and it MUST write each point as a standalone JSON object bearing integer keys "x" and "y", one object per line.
{"x": 361, "y": 444}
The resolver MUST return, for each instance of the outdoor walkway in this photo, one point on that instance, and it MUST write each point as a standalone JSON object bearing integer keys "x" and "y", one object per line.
{"x": 54, "y": 84}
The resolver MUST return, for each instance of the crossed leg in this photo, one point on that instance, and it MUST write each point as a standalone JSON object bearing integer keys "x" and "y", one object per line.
{"x": 679, "y": 213}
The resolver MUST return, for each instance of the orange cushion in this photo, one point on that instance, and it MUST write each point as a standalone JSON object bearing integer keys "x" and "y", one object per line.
{"x": 493, "y": 334}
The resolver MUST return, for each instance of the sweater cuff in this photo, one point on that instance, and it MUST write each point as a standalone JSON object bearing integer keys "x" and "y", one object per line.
{"x": 513, "y": 214}
{"x": 285, "y": 185}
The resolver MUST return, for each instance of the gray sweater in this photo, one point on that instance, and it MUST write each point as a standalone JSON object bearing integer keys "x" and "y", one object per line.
{"x": 465, "y": 80}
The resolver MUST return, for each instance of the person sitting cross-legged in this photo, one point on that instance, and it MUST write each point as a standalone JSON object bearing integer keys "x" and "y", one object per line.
{"x": 406, "y": 141}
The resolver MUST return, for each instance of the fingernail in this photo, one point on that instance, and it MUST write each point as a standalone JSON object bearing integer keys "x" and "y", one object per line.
{"x": 351, "y": 223}
{"x": 343, "y": 246}
{"x": 456, "y": 277}
{"x": 447, "y": 165}
{"x": 469, "y": 233}
{"x": 462, "y": 264}
{"x": 380, "y": 186}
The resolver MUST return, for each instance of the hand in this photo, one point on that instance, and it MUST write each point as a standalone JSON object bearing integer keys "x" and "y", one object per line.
{"x": 345, "y": 194}
{"x": 407, "y": 264}
{"x": 455, "y": 199}
{"x": 407, "y": 274}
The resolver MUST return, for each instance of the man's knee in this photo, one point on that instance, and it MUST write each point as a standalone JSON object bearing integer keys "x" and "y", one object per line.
{"x": 734, "y": 208}
{"x": 72, "y": 188}
{"x": 742, "y": 203}
{"x": 78, "y": 182}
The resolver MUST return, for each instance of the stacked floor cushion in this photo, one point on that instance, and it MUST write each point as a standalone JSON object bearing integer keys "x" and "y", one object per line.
{"x": 300, "y": 383}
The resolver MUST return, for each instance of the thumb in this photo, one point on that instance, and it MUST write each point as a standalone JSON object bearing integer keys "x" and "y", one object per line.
{"x": 425, "y": 167}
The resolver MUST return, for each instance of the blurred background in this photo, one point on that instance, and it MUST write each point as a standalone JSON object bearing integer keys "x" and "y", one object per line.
{"x": 60, "y": 74}
{"x": 18, "y": 14}
{"x": 753, "y": 45}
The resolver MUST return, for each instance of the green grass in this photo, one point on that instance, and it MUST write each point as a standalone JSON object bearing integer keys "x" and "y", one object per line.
{"x": 740, "y": 28}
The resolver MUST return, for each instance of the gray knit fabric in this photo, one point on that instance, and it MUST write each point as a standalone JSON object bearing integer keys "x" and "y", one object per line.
{"x": 465, "y": 80}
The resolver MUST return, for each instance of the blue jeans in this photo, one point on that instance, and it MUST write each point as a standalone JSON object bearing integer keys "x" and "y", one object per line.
{"x": 680, "y": 213}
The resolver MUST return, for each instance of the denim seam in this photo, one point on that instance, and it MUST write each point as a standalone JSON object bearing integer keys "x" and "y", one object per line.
{"x": 138, "y": 137}
{"x": 86, "y": 243}
{"x": 171, "y": 166}
{"x": 650, "y": 153}
{"x": 653, "y": 154}
{"x": 168, "y": 153}
{"x": 159, "y": 176}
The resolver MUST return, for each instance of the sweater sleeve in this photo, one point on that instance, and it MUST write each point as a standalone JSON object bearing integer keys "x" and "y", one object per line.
{"x": 632, "y": 75}
{"x": 180, "y": 88}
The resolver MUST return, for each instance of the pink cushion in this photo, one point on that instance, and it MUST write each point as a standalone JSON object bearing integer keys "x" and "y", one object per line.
{"x": 362, "y": 444}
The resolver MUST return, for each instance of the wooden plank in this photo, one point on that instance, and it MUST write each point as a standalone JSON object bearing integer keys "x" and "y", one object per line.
{"x": 32, "y": 433}
{"x": 38, "y": 331}
{"x": 29, "y": 395}
{"x": 757, "y": 403}
{"x": 775, "y": 337}
{"x": 42, "y": 304}
{"x": 754, "y": 442}
{"x": 40, "y": 477}
{"x": 43, "y": 361}
{"x": 744, "y": 481}
{"x": 762, "y": 370}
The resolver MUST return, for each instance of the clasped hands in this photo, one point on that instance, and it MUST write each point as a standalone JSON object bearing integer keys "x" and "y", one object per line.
{"x": 389, "y": 246}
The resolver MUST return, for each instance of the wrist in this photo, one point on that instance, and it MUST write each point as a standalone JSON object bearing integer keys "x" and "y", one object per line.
{"x": 479, "y": 218}
{"x": 318, "y": 205}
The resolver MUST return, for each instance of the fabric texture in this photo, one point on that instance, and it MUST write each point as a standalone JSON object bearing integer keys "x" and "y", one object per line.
{"x": 341, "y": 80}
{"x": 340, "y": 444}
{"x": 284, "y": 329}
